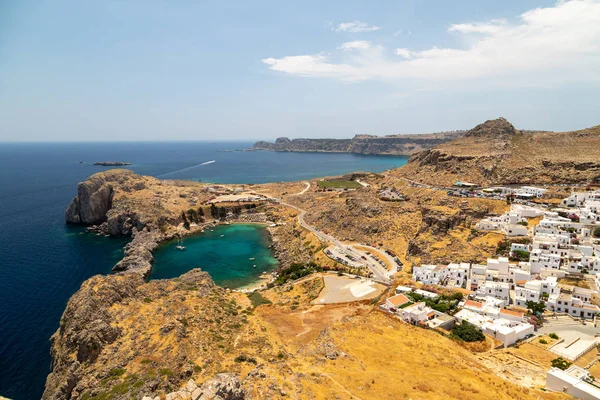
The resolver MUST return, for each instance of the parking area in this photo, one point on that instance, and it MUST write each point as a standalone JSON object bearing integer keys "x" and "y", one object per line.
{"x": 342, "y": 289}
{"x": 336, "y": 254}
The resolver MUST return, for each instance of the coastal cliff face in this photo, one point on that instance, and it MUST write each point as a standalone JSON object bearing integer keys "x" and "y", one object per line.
{"x": 94, "y": 199}
{"x": 118, "y": 330}
{"x": 495, "y": 153}
{"x": 362, "y": 144}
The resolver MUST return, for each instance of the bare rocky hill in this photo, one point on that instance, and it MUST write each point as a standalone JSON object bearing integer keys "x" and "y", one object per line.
{"x": 496, "y": 153}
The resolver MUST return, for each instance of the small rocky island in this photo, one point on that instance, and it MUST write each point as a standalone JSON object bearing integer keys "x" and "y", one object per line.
{"x": 112, "y": 163}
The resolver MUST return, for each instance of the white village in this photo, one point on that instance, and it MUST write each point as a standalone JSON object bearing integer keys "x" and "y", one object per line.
{"x": 547, "y": 284}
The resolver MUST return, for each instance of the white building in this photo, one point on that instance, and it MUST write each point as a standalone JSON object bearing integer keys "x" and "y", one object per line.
{"x": 520, "y": 247}
{"x": 418, "y": 312}
{"x": 457, "y": 275}
{"x": 576, "y": 307}
{"x": 509, "y": 332}
{"x": 500, "y": 290}
{"x": 505, "y": 330}
{"x": 580, "y": 198}
{"x": 539, "y": 261}
{"x": 535, "y": 191}
{"x": 396, "y": 301}
{"x": 429, "y": 274}
{"x": 515, "y": 230}
{"x": 575, "y": 381}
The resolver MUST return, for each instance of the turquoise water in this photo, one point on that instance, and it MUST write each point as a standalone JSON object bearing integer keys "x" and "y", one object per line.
{"x": 224, "y": 253}
{"x": 43, "y": 261}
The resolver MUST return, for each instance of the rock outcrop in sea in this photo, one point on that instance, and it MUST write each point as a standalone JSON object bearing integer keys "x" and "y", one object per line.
{"x": 95, "y": 197}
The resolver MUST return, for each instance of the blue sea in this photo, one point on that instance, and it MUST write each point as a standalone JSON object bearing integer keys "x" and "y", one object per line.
{"x": 43, "y": 261}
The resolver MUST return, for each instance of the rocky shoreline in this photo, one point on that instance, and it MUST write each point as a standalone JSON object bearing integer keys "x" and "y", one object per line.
{"x": 93, "y": 206}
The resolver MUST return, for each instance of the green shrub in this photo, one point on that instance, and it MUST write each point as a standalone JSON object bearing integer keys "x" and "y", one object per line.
{"x": 543, "y": 341}
{"x": 116, "y": 372}
{"x": 553, "y": 335}
{"x": 165, "y": 372}
{"x": 245, "y": 358}
{"x": 467, "y": 332}
{"x": 560, "y": 363}
{"x": 257, "y": 299}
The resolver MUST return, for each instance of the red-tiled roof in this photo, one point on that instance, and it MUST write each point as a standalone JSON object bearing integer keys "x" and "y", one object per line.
{"x": 398, "y": 300}
{"x": 511, "y": 312}
{"x": 473, "y": 304}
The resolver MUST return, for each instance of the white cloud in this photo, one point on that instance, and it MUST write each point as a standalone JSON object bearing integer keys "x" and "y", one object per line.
{"x": 547, "y": 46}
{"x": 355, "y": 27}
{"x": 355, "y": 45}
{"x": 403, "y": 53}
{"x": 494, "y": 26}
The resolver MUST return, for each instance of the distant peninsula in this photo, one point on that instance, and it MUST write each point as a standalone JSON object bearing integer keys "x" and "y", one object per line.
{"x": 363, "y": 144}
{"x": 112, "y": 163}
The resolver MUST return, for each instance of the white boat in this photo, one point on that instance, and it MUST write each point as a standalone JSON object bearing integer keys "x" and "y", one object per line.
{"x": 254, "y": 266}
{"x": 251, "y": 258}
{"x": 222, "y": 235}
{"x": 180, "y": 245}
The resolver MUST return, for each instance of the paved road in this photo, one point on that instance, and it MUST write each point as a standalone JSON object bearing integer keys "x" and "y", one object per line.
{"x": 377, "y": 270}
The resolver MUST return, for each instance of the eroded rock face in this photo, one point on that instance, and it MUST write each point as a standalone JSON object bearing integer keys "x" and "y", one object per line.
{"x": 87, "y": 344}
{"x": 95, "y": 197}
{"x": 85, "y": 329}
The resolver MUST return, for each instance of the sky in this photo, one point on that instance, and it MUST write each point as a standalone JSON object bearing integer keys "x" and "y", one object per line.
{"x": 73, "y": 70}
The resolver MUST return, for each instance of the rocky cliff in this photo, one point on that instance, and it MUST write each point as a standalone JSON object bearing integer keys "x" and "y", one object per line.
{"x": 362, "y": 144}
{"x": 116, "y": 329}
{"x": 496, "y": 153}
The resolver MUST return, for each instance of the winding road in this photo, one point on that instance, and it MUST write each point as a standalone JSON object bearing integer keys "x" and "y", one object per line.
{"x": 379, "y": 273}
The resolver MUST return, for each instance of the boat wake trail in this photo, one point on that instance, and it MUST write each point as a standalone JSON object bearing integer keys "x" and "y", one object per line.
{"x": 185, "y": 169}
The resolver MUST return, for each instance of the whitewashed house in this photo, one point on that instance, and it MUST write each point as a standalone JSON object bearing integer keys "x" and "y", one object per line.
{"x": 579, "y": 198}
{"x": 457, "y": 275}
{"x": 418, "y": 312}
{"x": 532, "y": 190}
{"x": 500, "y": 290}
{"x": 576, "y": 307}
{"x": 429, "y": 274}
{"x": 575, "y": 381}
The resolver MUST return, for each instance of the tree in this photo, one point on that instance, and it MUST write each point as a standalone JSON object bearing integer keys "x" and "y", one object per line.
{"x": 597, "y": 232}
{"x": 468, "y": 332}
{"x": 200, "y": 211}
{"x": 536, "y": 307}
{"x": 560, "y": 363}
{"x": 521, "y": 255}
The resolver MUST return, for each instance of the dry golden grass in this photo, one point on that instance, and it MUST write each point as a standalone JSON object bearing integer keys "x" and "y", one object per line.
{"x": 387, "y": 359}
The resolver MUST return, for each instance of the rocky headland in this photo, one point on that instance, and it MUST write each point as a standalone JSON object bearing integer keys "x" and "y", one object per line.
{"x": 362, "y": 144}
